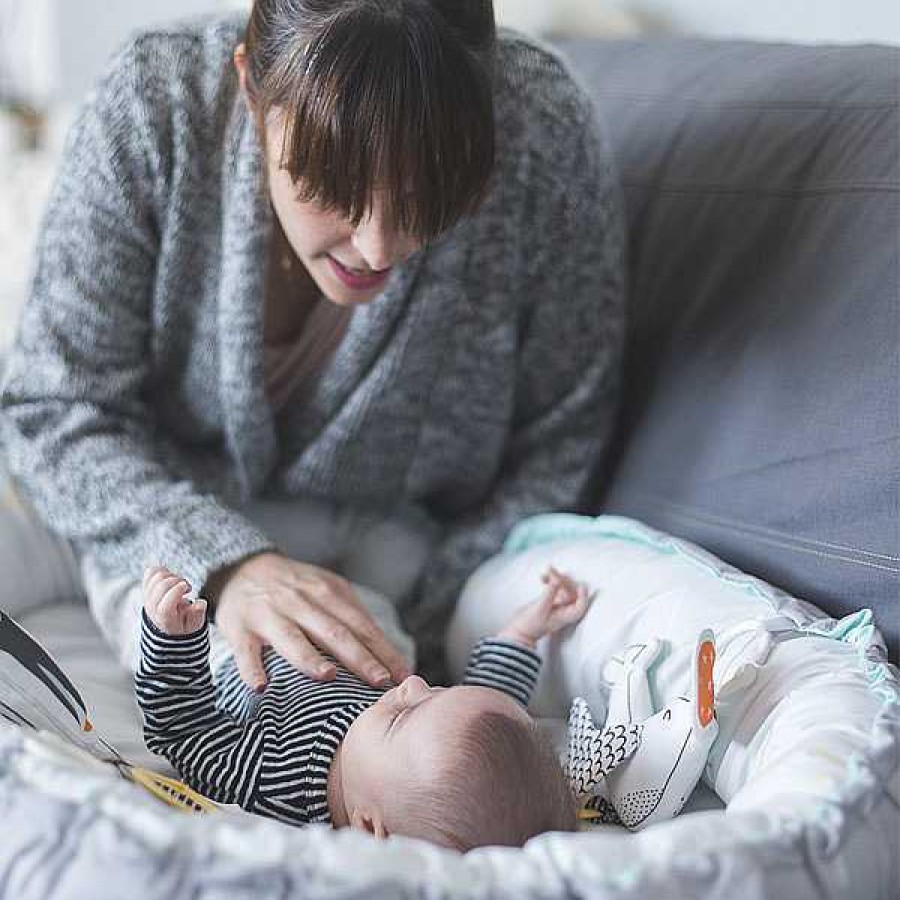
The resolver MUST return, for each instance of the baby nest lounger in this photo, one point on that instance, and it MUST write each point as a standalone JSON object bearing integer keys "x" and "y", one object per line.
{"x": 806, "y": 760}
{"x": 808, "y": 707}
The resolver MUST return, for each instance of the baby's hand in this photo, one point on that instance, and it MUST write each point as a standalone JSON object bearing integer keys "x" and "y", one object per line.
{"x": 564, "y": 602}
{"x": 166, "y": 604}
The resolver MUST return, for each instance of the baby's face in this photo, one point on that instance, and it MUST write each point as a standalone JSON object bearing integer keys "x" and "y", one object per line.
{"x": 408, "y": 731}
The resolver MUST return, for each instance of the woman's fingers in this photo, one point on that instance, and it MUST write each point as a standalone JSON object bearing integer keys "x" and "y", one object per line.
{"x": 370, "y": 635}
{"x": 340, "y": 640}
{"x": 300, "y": 609}
{"x": 248, "y": 659}
{"x": 388, "y": 661}
{"x": 291, "y": 643}
{"x": 360, "y": 644}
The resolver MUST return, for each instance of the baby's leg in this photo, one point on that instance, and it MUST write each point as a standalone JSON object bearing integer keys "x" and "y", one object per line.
{"x": 166, "y": 603}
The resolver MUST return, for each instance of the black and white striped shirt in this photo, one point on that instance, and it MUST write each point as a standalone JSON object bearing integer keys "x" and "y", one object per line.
{"x": 271, "y": 753}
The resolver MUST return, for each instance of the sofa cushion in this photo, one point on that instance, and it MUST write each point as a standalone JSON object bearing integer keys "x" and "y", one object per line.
{"x": 761, "y": 415}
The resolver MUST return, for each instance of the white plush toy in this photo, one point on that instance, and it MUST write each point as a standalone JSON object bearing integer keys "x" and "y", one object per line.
{"x": 643, "y": 764}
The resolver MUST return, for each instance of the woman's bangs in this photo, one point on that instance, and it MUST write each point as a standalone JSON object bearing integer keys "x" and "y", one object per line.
{"x": 376, "y": 108}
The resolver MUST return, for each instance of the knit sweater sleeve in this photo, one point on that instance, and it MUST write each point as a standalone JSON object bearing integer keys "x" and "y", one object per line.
{"x": 77, "y": 428}
{"x": 569, "y": 366}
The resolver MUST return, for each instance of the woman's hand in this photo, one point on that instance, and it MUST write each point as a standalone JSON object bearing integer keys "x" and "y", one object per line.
{"x": 272, "y": 600}
{"x": 563, "y": 603}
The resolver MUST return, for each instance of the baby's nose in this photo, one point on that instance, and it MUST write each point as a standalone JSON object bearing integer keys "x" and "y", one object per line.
{"x": 413, "y": 685}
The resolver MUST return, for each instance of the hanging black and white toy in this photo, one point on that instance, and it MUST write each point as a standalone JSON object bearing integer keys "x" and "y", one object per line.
{"x": 646, "y": 765}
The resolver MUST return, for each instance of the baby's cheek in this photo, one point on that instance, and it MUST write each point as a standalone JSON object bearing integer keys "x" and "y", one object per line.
{"x": 365, "y": 741}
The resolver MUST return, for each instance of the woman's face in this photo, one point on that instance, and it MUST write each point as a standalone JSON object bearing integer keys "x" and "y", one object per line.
{"x": 350, "y": 265}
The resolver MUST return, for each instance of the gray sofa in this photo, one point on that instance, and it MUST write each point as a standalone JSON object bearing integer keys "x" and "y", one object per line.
{"x": 762, "y": 417}
{"x": 760, "y": 421}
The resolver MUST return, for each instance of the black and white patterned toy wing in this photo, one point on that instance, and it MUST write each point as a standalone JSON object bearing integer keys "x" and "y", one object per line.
{"x": 594, "y": 752}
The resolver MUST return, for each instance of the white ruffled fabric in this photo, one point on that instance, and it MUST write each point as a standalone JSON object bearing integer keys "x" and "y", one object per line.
{"x": 72, "y": 831}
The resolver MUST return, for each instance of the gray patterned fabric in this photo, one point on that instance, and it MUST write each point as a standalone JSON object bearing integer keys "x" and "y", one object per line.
{"x": 481, "y": 384}
{"x": 763, "y": 357}
{"x": 594, "y": 752}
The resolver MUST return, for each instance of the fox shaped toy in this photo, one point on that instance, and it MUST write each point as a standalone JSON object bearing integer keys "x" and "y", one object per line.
{"x": 645, "y": 764}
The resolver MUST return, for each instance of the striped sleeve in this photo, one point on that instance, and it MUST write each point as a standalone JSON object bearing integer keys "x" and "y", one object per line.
{"x": 504, "y": 665}
{"x": 215, "y": 755}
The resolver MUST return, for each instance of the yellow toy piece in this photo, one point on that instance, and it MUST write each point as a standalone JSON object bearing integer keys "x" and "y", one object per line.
{"x": 170, "y": 790}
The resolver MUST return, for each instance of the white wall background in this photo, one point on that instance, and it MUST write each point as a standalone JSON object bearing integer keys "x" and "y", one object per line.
{"x": 814, "y": 21}
{"x": 57, "y": 46}
{"x": 26, "y": 32}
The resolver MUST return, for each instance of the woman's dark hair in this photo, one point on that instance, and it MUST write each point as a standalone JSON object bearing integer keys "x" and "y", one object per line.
{"x": 392, "y": 95}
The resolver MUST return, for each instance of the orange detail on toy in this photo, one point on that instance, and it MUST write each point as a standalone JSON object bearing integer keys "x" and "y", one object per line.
{"x": 706, "y": 696}
{"x": 87, "y": 725}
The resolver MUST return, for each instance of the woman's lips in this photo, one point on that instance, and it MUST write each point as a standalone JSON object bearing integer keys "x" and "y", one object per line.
{"x": 356, "y": 280}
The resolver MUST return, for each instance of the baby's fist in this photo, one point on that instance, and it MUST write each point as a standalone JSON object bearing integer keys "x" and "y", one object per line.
{"x": 563, "y": 602}
{"x": 166, "y": 603}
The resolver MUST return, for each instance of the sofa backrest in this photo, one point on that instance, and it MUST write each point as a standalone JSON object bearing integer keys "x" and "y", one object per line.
{"x": 762, "y": 185}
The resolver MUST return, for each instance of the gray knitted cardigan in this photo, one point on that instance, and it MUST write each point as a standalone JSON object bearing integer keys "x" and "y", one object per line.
{"x": 481, "y": 385}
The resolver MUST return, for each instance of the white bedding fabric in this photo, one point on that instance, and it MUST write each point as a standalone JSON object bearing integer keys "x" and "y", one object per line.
{"x": 76, "y": 835}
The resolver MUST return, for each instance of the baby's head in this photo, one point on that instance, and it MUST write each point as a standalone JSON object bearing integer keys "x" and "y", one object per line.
{"x": 463, "y": 767}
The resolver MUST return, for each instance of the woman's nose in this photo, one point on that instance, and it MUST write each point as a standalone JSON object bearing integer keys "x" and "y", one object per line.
{"x": 375, "y": 245}
{"x": 380, "y": 246}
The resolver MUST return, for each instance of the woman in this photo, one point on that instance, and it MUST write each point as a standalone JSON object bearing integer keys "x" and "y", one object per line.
{"x": 365, "y": 256}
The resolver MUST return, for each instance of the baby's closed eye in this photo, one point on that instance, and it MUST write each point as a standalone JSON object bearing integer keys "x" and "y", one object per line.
{"x": 395, "y": 716}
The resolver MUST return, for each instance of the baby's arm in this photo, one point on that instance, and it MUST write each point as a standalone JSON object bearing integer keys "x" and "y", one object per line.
{"x": 504, "y": 665}
{"x": 175, "y": 692}
{"x": 563, "y": 603}
{"x": 509, "y": 662}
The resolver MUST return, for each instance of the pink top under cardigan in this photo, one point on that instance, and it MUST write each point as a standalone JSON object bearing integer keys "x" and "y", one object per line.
{"x": 291, "y": 369}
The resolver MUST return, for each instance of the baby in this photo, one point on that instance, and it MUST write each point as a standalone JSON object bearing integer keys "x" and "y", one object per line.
{"x": 463, "y": 766}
